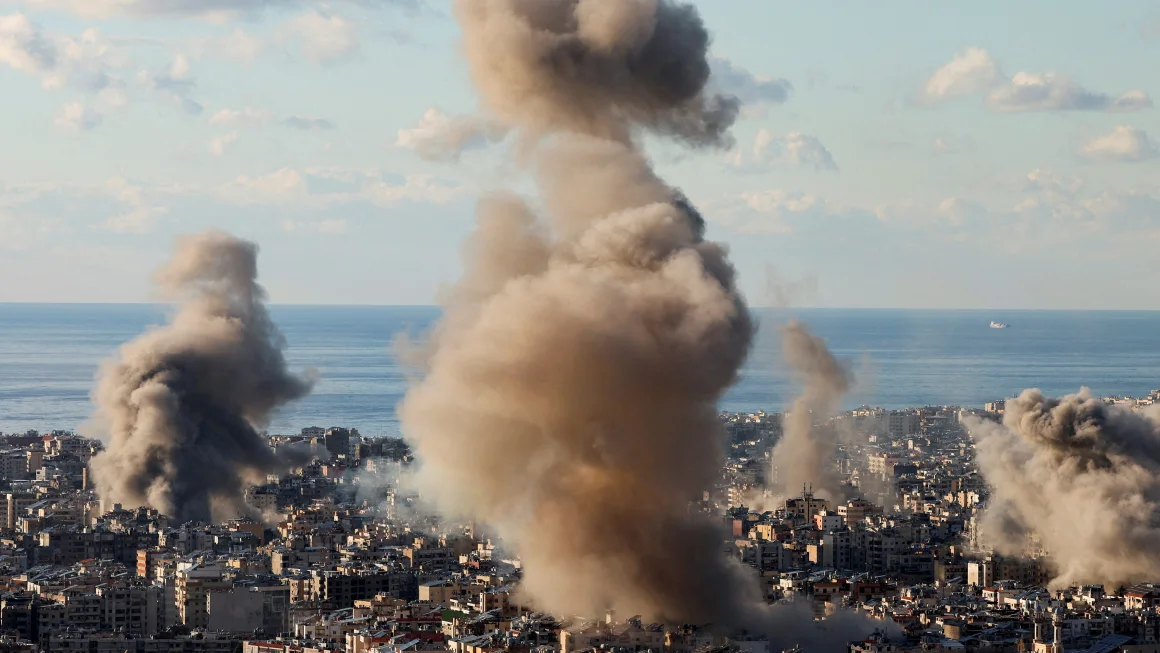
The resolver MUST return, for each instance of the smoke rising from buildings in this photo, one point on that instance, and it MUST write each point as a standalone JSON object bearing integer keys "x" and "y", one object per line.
{"x": 181, "y": 405}
{"x": 569, "y": 397}
{"x": 1084, "y": 476}
{"x": 805, "y": 453}
{"x": 570, "y": 400}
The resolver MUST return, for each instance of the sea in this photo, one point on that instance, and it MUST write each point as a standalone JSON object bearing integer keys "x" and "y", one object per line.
{"x": 50, "y": 354}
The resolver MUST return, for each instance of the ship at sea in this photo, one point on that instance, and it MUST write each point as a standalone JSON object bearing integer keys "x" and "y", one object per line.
{"x": 999, "y": 325}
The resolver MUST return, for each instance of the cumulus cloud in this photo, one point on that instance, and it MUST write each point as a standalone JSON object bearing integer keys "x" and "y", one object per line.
{"x": 140, "y": 214}
{"x": 781, "y": 202}
{"x": 86, "y": 63}
{"x": 1049, "y": 182}
{"x": 175, "y": 84}
{"x": 322, "y": 36}
{"x": 971, "y": 71}
{"x": 975, "y": 72}
{"x": 958, "y": 210}
{"x": 116, "y": 205}
{"x": 1124, "y": 143}
{"x": 323, "y": 39}
{"x": 220, "y": 144}
{"x": 794, "y": 148}
{"x": 1132, "y": 210}
{"x": 77, "y": 117}
{"x": 771, "y": 212}
{"x": 752, "y": 90}
{"x": 24, "y": 47}
{"x": 238, "y": 117}
{"x": 440, "y": 137}
{"x": 278, "y": 184}
{"x": 1053, "y": 92}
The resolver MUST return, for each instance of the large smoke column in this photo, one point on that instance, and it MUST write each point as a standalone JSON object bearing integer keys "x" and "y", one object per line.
{"x": 805, "y": 453}
{"x": 181, "y": 405}
{"x": 1082, "y": 475}
{"x": 570, "y": 399}
{"x": 570, "y": 393}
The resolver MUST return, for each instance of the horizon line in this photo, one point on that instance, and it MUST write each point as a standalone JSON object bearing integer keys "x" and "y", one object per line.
{"x": 751, "y": 307}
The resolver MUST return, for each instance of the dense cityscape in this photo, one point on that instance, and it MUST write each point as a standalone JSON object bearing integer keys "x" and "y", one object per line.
{"x": 564, "y": 479}
{"x": 339, "y": 555}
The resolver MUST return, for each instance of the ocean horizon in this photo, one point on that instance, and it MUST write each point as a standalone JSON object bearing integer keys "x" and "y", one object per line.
{"x": 50, "y": 354}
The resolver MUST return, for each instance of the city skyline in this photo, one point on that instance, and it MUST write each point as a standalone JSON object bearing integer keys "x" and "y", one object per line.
{"x": 999, "y": 159}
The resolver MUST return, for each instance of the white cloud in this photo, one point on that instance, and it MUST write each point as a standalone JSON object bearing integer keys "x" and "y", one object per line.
{"x": 749, "y": 88}
{"x": 1052, "y": 92}
{"x": 84, "y": 62}
{"x": 772, "y": 211}
{"x": 87, "y": 63}
{"x": 971, "y": 71}
{"x": 319, "y": 35}
{"x": 794, "y": 148}
{"x": 958, "y": 210}
{"x": 328, "y": 227}
{"x": 1133, "y": 100}
{"x": 24, "y": 47}
{"x": 277, "y": 186}
{"x": 415, "y": 188}
{"x": 220, "y": 144}
{"x": 140, "y": 215}
{"x": 308, "y": 124}
{"x": 1043, "y": 194}
{"x": 1139, "y": 212}
{"x": 324, "y": 39}
{"x": 780, "y": 202}
{"x": 1124, "y": 143}
{"x": 439, "y": 137}
{"x": 77, "y": 117}
{"x": 1046, "y": 181}
{"x": 246, "y": 116}
{"x": 975, "y": 72}
{"x": 175, "y": 84}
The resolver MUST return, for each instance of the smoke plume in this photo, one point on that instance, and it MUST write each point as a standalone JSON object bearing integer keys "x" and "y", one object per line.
{"x": 1083, "y": 476}
{"x": 181, "y": 405}
{"x": 570, "y": 392}
{"x": 805, "y": 453}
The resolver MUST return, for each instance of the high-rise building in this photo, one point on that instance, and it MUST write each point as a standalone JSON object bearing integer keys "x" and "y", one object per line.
{"x": 337, "y": 441}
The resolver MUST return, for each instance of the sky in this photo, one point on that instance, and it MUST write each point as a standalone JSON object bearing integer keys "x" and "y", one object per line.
{"x": 893, "y": 154}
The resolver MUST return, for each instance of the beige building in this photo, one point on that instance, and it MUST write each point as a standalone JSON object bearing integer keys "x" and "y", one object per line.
{"x": 193, "y": 587}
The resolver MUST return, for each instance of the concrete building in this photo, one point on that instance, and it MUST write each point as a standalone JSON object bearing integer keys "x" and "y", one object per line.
{"x": 15, "y": 503}
{"x": 337, "y": 441}
{"x": 134, "y": 609}
{"x": 192, "y": 589}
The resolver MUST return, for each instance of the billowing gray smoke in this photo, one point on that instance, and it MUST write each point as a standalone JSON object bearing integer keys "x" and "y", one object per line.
{"x": 180, "y": 406}
{"x": 1084, "y": 477}
{"x": 570, "y": 394}
{"x": 805, "y": 454}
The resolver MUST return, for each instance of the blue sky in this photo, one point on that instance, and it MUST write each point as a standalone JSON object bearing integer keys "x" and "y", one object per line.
{"x": 895, "y": 154}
